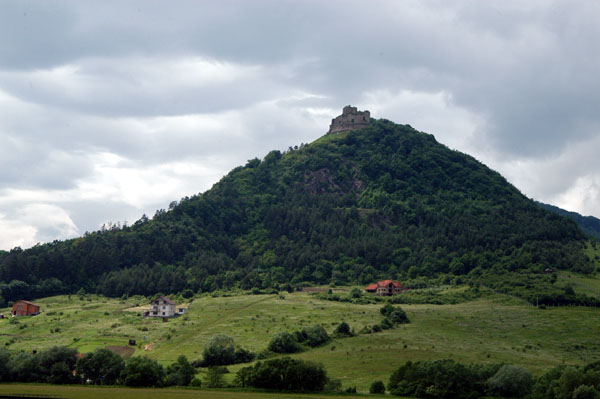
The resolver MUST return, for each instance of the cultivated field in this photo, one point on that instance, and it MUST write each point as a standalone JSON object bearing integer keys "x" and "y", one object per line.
{"x": 496, "y": 328}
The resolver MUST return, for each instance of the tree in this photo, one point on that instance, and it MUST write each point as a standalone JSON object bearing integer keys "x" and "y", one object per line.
{"x": 4, "y": 365}
{"x": 377, "y": 387}
{"x": 569, "y": 380}
{"x": 511, "y": 381}
{"x": 58, "y": 364}
{"x": 214, "y": 377}
{"x": 180, "y": 373}
{"x": 284, "y": 374}
{"x": 284, "y": 342}
{"x": 585, "y": 392}
{"x": 144, "y": 372}
{"x": 102, "y": 366}
{"x": 61, "y": 373}
{"x": 437, "y": 379}
{"x": 219, "y": 351}
{"x": 25, "y": 367}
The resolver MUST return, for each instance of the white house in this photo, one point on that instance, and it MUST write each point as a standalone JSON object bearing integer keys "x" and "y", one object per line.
{"x": 162, "y": 307}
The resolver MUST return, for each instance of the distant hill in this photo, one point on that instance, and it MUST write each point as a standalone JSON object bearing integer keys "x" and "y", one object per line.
{"x": 384, "y": 201}
{"x": 589, "y": 224}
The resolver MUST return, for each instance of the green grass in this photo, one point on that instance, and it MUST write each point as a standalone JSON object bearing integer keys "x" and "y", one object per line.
{"x": 495, "y": 328}
{"x": 87, "y": 392}
{"x": 581, "y": 283}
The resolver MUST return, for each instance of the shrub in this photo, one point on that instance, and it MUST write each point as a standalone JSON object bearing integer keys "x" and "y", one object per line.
{"x": 386, "y": 324}
{"x": 333, "y": 386}
{"x": 395, "y": 314}
{"x": 196, "y": 382}
{"x": 313, "y": 336}
{"x": 187, "y": 293}
{"x": 511, "y": 381}
{"x": 343, "y": 330}
{"x": 377, "y": 387}
{"x": 242, "y": 355}
{"x": 284, "y": 342}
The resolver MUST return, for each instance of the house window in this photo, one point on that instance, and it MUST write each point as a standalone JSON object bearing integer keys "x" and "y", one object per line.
{"x": 163, "y": 313}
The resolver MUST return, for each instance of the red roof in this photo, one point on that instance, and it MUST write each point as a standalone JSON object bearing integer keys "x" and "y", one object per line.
{"x": 385, "y": 283}
{"x": 371, "y": 287}
{"x": 164, "y": 298}
{"x": 27, "y": 302}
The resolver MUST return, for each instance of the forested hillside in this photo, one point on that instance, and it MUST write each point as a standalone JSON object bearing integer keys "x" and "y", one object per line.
{"x": 588, "y": 224}
{"x": 384, "y": 201}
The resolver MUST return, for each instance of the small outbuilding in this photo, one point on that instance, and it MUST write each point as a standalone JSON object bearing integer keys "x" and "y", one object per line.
{"x": 25, "y": 308}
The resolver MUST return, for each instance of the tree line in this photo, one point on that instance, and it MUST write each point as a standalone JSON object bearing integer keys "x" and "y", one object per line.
{"x": 421, "y": 379}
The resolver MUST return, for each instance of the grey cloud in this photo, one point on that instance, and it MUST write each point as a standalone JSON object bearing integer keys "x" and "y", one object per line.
{"x": 81, "y": 79}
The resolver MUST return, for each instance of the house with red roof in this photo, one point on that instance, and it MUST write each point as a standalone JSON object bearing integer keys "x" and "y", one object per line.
{"x": 385, "y": 288}
{"x": 25, "y": 308}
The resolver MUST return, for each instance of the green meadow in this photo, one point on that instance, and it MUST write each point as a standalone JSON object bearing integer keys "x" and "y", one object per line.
{"x": 494, "y": 328}
{"x": 95, "y": 392}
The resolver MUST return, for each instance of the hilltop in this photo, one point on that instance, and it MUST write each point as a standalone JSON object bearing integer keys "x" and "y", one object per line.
{"x": 383, "y": 201}
{"x": 589, "y": 224}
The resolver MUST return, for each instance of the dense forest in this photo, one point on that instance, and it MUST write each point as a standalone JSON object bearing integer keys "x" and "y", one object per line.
{"x": 385, "y": 201}
{"x": 589, "y": 224}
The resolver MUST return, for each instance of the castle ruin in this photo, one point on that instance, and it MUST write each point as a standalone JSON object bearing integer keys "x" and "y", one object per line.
{"x": 351, "y": 118}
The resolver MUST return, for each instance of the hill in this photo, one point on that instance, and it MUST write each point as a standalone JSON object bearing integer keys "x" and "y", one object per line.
{"x": 385, "y": 201}
{"x": 589, "y": 224}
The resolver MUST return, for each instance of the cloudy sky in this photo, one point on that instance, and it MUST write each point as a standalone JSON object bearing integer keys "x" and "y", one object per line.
{"x": 112, "y": 109}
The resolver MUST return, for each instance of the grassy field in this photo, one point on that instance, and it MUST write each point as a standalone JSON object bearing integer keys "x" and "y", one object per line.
{"x": 496, "y": 328}
{"x": 82, "y": 392}
{"x": 581, "y": 283}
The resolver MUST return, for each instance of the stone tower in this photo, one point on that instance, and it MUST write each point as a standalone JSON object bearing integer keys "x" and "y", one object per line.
{"x": 351, "y": 118}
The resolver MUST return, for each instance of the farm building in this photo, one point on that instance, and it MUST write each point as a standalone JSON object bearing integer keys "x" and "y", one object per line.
{"x": 25, "y": 308}
{"x": 385, "y": 288}
{"x": 162, "y": 307}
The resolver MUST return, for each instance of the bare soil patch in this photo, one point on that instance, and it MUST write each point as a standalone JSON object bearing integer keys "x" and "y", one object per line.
{"x": 124, "y": 351}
